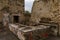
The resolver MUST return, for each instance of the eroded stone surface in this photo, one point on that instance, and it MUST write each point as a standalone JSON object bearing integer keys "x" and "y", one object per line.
{"x": 45, "y": 8}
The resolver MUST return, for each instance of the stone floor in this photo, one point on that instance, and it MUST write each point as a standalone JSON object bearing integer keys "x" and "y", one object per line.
{"x": 7, "y": 35}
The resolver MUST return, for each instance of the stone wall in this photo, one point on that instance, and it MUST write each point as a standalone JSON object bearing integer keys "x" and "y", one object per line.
{"x": 45, "y": 8}
{"x": 12, "y": 7}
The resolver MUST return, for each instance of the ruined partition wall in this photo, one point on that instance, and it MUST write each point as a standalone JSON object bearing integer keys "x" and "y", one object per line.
{"x": 44, "y": 8}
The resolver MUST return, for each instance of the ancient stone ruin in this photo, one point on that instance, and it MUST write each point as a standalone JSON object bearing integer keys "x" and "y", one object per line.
{"x": 43, "y": 18}
{"x": 42, "y": 11}
{"x": 45, "y": 9}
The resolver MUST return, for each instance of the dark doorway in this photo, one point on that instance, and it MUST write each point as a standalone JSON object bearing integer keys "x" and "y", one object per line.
{"x": 16, "y": 19}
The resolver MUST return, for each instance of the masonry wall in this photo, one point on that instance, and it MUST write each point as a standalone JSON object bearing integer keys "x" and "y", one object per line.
{"x": 45, "y": 8}
{"x": 13, "y": 7}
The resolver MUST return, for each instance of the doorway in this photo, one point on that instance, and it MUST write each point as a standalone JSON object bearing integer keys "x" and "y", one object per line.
{"x": 16, "y": 19}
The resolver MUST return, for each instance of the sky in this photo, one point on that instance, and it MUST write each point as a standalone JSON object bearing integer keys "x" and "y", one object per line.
{"x": 28, "y": 5}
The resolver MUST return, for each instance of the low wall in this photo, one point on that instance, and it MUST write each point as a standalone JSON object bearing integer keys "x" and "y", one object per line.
{"x": 23, "y": 31}
{"x": 13, "y": 28}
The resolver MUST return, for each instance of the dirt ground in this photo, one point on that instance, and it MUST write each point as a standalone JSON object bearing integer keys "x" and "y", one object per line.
{"x": 7, "y": 35}
{"x": 54, "y": 38}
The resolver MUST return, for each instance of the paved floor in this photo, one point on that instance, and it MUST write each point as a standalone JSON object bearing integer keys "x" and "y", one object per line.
{"x": 7, "y": 35}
